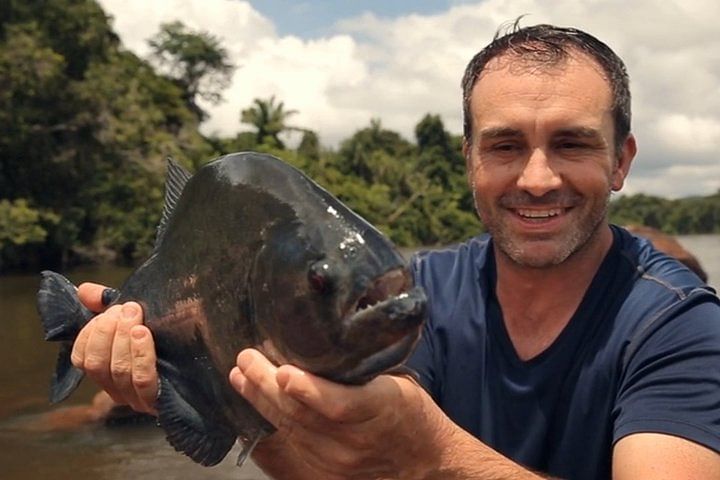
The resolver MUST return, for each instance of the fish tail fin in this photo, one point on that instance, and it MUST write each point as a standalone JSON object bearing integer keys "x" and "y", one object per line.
{"x": 66, "y": 377}
{"x": 62, "y": 316}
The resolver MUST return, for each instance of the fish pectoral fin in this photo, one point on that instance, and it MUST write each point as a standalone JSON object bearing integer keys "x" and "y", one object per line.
{"x": 190, "y": 432}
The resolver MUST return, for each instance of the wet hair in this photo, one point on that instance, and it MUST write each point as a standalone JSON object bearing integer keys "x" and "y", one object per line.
{"x": 548, "y": 45}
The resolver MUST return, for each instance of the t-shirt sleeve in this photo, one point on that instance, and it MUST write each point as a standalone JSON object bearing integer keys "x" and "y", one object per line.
{"x": 671, "y": 378}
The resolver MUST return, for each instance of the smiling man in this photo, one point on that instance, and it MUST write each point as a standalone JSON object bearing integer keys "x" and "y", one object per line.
{"x": 556, "y": 344}
{"x": 541, "y": 156}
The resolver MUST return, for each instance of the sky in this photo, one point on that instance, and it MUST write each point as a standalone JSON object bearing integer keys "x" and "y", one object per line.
{"x": 342, "y": 63}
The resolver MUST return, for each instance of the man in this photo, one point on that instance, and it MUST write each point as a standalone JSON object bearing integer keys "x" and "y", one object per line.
{"x": 559, "y": 345}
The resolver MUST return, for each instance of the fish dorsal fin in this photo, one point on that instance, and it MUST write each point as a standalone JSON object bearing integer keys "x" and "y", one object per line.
{"x": 175, "y": 181}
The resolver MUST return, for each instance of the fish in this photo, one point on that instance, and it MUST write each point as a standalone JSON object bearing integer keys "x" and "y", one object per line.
{"x": 250, "y": 252}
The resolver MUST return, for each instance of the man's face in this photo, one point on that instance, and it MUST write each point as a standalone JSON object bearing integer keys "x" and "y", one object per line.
{"x": 542, "y": 160}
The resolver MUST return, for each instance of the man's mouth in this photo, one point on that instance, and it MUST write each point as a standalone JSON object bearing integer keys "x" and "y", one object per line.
{"x": 539, "y": 214}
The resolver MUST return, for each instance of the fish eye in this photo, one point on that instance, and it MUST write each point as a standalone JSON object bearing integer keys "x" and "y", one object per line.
{"x": 319, "y": 277}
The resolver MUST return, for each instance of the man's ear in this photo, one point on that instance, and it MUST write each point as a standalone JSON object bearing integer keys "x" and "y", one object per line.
{"x": 624, "y": 160}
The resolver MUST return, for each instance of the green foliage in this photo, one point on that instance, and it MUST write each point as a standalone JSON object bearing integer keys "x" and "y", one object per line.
{"x": 269, "y": 119}
{"x": 680, "y": 216}
{"x": 414, "y": 193}
{"x": 20, "y": 224}
{"x": 127, "y": 212}
{"x": 309, "y": 146}
{"x": 85, "y": 128}
{"x": 196, "y": 61}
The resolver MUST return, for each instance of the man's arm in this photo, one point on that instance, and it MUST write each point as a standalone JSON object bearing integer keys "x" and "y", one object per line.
{"x": 663, "y": 457}
{"x": 388, "y": 428}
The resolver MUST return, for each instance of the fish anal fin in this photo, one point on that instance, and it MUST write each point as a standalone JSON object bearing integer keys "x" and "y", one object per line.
{"x": 175, "y": 181}
{"x": 189, "y": 432}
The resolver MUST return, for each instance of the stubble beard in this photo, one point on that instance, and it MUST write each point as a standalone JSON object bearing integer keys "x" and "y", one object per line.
{"x": 523, "y": 253}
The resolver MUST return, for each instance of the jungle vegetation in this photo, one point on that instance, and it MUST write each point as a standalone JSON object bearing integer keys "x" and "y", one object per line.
{"x": 86, "y": 125}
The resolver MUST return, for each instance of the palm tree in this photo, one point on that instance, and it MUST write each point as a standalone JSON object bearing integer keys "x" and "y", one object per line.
{"x": 269, "y": 119}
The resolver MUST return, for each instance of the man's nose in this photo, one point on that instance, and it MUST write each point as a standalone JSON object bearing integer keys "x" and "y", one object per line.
{"x": 538, "y": 176}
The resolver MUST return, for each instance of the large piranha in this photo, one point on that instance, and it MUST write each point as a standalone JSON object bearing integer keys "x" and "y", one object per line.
{"x": 251, "y": 253}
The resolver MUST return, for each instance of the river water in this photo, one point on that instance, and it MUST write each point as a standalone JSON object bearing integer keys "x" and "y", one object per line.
{"x": 31, "y": 449}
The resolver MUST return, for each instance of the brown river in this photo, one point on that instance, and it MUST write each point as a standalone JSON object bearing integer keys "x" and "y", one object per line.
{"x": 32, "y": 447}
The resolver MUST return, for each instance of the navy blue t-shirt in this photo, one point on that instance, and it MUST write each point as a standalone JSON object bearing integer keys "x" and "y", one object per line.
{"x": 641, "y": 354}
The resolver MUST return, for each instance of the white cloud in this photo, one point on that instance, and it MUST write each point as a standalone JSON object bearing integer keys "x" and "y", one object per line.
{"x": 686, "y": 134}
{"x": 399, "y": 69}
{"x": 693, "y": 179}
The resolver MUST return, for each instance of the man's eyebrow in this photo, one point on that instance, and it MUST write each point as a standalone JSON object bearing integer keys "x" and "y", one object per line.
{"x": 579, "y": 132}
{"x": 491, "y": 133}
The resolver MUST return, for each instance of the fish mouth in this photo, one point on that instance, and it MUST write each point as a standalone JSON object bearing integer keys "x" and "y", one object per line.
{"x": 379, "y": 362}
{"x": 382, "y": 326}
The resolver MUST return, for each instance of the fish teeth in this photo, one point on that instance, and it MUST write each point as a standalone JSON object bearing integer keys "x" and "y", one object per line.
{"x": 539, "y": 213}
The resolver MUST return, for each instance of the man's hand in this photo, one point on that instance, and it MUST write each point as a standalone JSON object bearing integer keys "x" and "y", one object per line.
{"x": 117, "y": 351}
{"x": 388, "y": 428}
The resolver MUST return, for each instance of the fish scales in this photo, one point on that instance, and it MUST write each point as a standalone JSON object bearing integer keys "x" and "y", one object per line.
{"x": 251, "y": 253}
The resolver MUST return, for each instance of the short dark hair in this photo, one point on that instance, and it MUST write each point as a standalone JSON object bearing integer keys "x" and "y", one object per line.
{"x": 548, "y": 44}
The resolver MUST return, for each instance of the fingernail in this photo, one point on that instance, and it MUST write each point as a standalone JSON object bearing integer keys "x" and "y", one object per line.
{"x": 244, "y": 360}
{"x": 109, "y": 295}
{"x": 129, "y": 310}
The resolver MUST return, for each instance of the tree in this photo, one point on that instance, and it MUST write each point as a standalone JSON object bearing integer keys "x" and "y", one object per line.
{"x": 84, "y": 130}
{"x": 430, "y": 134}
{"x": 20, "y": 227}
{"x": 269, "y": 119}
{"x": 357, "y": 153}
{"x": 196, "y": 61}
{"x": 309, "y": 146}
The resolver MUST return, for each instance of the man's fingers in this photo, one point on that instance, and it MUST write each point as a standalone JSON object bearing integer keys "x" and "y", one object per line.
{"x": 121, "y": 363}
{"x": 98, "y": 350}
{"x": 339, "y": 403}
{"x": 91, "y": 295}
{"x": 77, "y": 356}
{"x": 144, "y": 370}
{"x": 255, "y": 379}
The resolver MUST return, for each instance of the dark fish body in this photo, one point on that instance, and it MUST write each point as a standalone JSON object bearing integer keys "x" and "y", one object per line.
{"x": 251, "y": 253}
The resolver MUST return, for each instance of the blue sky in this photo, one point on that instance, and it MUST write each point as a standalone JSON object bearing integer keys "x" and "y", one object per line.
{"x": 342, "y": 63}
{"x": 316, "y": 18}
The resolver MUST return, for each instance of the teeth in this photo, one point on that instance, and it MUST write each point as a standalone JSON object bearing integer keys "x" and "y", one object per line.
{"x": 539, "y": 213}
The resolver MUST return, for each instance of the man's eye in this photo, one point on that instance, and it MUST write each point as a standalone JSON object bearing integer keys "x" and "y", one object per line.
{"x": 571, "y": 145}
{"x": 505, "y": 147}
